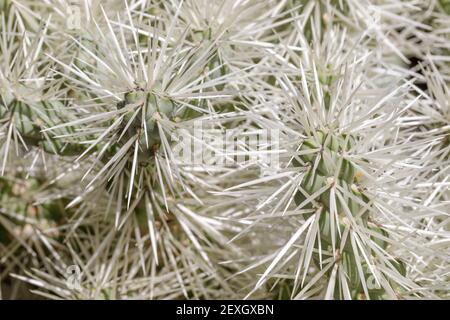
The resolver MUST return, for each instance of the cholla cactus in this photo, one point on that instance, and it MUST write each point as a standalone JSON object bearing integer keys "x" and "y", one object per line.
{"x": 129, "y": 171}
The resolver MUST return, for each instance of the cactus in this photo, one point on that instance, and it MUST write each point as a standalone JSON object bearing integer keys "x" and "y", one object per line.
{"x": 342, "y": 195}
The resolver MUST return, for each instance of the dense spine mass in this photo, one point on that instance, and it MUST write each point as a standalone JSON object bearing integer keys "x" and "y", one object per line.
{"x": 224, "y": 149}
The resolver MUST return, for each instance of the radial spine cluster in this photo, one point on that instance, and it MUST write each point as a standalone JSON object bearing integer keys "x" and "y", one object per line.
{"x": 225, "y": 149}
